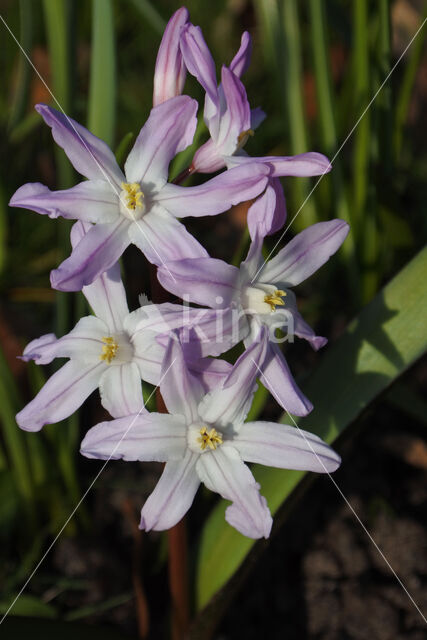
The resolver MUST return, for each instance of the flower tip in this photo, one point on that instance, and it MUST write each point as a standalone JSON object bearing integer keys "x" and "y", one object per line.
{"x": 27, "y": 422}
{"x": 41, "y": 107}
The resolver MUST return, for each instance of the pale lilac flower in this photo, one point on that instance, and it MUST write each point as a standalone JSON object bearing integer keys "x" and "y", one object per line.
{"x": 204, "y": 439}
{"x": 231, "y": 122}
{"x": 228, "y": 115}
{"x": 114, "y": 350}
{"x": 262, "y": 293}
{"x": 170, "y": 71}
{"x": 140, "y": 206}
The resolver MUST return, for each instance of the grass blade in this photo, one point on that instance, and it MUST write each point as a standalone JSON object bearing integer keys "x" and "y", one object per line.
{"x": 102, "y": 91}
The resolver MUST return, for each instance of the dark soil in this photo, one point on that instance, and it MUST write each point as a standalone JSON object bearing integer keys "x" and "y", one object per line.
{"x": 322, "y": 577}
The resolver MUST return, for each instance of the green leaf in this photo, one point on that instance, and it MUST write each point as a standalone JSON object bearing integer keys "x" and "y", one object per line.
{"x": 151, "y": 15}
{"x": 28, "y": 606}
{"x": 124, "y": 147}
{"x": 102, "y": 92}
{"x": 105, "y": 605}
{"x": 386, "y": 338}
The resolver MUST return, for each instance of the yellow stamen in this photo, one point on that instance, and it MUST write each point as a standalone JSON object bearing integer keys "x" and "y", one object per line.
{"x": 109, "y": 349}
{"x": 134, "y": 197}
{"x": 275, "y": 299}
{"x": 243, "y": 137}
{"x": 209, "y": 439}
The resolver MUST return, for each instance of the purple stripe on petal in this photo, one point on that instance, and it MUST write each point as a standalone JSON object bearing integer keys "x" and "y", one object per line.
{"x": 302, "y": 165}
{"x": 285, "y": 447}
{"x": 90, "y": 201}
{"x": 215, "y": 195}
{"x": 205, "y": 281}
{"x": 62, "y": 394}
{"x": 241, "y": 60}
{"x": 169, "y": 129}
{"x": 89, "y": 155}
{"x": 281, "y": 384}
{"x": 305, "y": 253}
{"x": 170, "y": 71}
{"x": 99, "y": 250}
{"x": 173, "y": 495}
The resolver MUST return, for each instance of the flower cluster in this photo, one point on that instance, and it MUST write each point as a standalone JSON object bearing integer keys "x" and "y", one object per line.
{"x": 204, "y": 436}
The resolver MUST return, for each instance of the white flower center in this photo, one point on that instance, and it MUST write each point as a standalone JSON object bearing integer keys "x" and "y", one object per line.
{"x": 116, "y": 349}
{"x": 262, "y": 298}
{"x": 203, "y": 438}
{"x": 132, "y": 203}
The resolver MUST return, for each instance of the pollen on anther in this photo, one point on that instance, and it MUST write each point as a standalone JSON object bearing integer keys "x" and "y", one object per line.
{"x": 209, "y": 439}
{"x": 244, "y": 137}
{"x": 275, "y": 299}
{"x": 134, "y": 195}
{"x": 109, "y": 349}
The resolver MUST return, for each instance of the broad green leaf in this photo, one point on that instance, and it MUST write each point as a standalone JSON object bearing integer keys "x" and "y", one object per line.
{"x": 386, "y": 338}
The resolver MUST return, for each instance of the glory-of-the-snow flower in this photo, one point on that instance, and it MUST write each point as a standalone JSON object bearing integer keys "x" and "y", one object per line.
{"x": 139, "y": 206}
{"x": 262, "y": 291}
{"x": 114, "y": 350}
{"x": 204, "y": 439}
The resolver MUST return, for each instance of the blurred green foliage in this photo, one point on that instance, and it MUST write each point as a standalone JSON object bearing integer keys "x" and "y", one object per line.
{"x": 315, "y": 68}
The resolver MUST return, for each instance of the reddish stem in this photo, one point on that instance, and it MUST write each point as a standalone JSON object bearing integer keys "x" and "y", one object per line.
{"x": 177, "y": 536}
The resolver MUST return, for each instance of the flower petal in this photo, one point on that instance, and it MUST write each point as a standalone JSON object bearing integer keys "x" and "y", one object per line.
{"x": 173, "y": 495}
{"x": 89, "y": 155}
{"x": 205, "y": 281}
{"x": 120, "y": 389}
{"x": 170, "y": 71}
{"x": 237, "y": 117}
{"x": 229, "y": 404}
{"x": 91, "y": 201}
{"x": 180, "y": 393}
{"x": 99, "y": 250}
{"x": 217, "y": 194}
{"x": 83, "y": 343}
{"x": 142, "y": 436}
{"x": 106, "y": 295}
{"x": 148, "y": 356}
{"x": 268, "y": 213}
{"x": 224, "y": 472}
{"x": 298, "y": 325}
{"x": 62, "y": 394}
{"x": 281, "y": 384}
{"x": 201, "y": 65}
{"x": 257, "y": 117}
{"x": 163, "y": 239}
{"x": 242, "y": 59}
{"x": 169, "y": 129}
{"x": 211, "y": 372}
{"x": 302, "y": 165}
{"x": 305, "y": 253}
{"x": 208, "y": 158}
{"x": 285, "y": 447}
